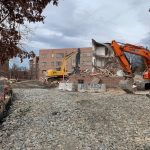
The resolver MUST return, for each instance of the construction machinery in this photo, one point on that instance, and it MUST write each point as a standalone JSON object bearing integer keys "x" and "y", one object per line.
{"x": 57, "y": 75}
{"x": 129, "y": 84}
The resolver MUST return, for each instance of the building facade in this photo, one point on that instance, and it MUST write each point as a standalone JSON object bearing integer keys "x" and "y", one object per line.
{"x": 102, "y": 53}
{"x": 52, "y": 59}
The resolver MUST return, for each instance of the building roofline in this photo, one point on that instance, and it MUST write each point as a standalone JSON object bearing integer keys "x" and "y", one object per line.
{"x": 65, "y": 48}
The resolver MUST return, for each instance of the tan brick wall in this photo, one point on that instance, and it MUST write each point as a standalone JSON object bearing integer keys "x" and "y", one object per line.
{"x": 50, "y": 58}
{"x": 111, "y": 82}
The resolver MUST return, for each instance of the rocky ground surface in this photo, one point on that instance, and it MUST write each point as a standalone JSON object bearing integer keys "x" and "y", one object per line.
{"x": 48, "y": 119}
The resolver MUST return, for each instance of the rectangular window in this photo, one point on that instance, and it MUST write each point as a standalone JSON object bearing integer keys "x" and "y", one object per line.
{"x": 60, "y": 55}
{"x": 86, "y": 54}
{"x": 44, "y": 56}
{"x": 58, "y": 63}
{"x": 52, "y": 63}
{"x": 43, "y": 63}
{"x": 53, "y": 55}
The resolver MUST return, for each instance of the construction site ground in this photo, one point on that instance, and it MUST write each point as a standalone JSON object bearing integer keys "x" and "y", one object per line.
{"x": 48, "y": 119}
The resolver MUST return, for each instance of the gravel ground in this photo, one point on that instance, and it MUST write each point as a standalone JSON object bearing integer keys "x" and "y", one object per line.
{"x": 48, "y": 119}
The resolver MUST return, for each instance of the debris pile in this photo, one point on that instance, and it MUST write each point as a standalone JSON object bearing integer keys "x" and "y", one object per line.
{"x": 111, "y": 81}
{"x": 110, "y": 69}
{"x": 104, "y": 73}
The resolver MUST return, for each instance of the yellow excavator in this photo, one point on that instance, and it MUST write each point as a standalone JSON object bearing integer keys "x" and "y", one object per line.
{"x": 57, "y": 75}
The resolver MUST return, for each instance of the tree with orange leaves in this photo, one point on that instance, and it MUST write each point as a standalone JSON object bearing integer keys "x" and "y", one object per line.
{"x": 12, "y": 15}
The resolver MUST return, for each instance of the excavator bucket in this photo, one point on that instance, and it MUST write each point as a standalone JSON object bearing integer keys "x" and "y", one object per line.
{"x": 127, "y": 85}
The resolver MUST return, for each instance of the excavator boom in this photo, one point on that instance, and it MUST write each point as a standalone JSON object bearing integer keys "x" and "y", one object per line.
{"x": 119, "y": 53}
{"x": 129, "y": 48}
{"x": 63, "y": 65}
{"x": 54, "y": 75}
{"x": 119, "y": 50}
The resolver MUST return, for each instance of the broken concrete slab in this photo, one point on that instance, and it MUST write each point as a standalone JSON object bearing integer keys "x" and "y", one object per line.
{"x": 92, "y": 87}
{"x": 82, "y": 87}
{"x": 68, "y": 86}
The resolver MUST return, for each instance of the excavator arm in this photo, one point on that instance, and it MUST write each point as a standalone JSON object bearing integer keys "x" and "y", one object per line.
{"x": 64, "y": 61}
{"x": 120, "y": 50}
{"x": 130, "y": 84}
{"x": 63, "y": 66}
{"x": 119, "y": 53}
{"x": 127, "y": 84}
{"x": 55, "y": 75}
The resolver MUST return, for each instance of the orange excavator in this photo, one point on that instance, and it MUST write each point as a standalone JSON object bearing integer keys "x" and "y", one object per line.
{"x": 129, "y": 84}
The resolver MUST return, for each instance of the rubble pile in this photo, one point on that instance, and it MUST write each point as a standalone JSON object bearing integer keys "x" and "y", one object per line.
{"x": 112, "y": 65}
{"x": 111, "y": 81}
{"x": 104, "y": 73}
{"x": 110, "y": 69}
{"x": 82, "y": 78}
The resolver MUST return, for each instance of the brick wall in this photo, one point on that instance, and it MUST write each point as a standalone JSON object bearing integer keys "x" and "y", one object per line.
{"x": 111, "y": 82}
{"x": 52, "y": 58}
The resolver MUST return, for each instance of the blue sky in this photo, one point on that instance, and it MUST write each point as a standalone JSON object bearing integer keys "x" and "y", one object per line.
{"x": 75, "y": 23}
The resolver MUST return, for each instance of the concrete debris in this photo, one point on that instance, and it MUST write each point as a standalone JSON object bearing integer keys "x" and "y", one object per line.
{"x": 109, "y": 69}
{"x": 96, "y": 88}
{"x": 112, "y": 65}
{"x": 111, "y": 82}
{"x": 96, "y": 80}
{"x": 82, "y": 87}
{"x": 104, "y": 73}
{"x": 68, "y": 86}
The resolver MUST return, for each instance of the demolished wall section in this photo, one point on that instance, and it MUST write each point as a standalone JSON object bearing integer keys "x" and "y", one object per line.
{"x": 111, "y": 82}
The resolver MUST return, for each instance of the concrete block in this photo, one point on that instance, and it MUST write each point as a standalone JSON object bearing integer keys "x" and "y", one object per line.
{"x": 91, "y": 87}
{"x": 61, "y": 86}
{"x": 82, "y": 88}
{"x": 68, "y": 86}
{"x": 97, "y": 88}
{"x": 71, "y": 87}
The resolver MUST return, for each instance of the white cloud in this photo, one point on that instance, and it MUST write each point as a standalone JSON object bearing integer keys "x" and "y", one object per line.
{"x": 75, "y": 23}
